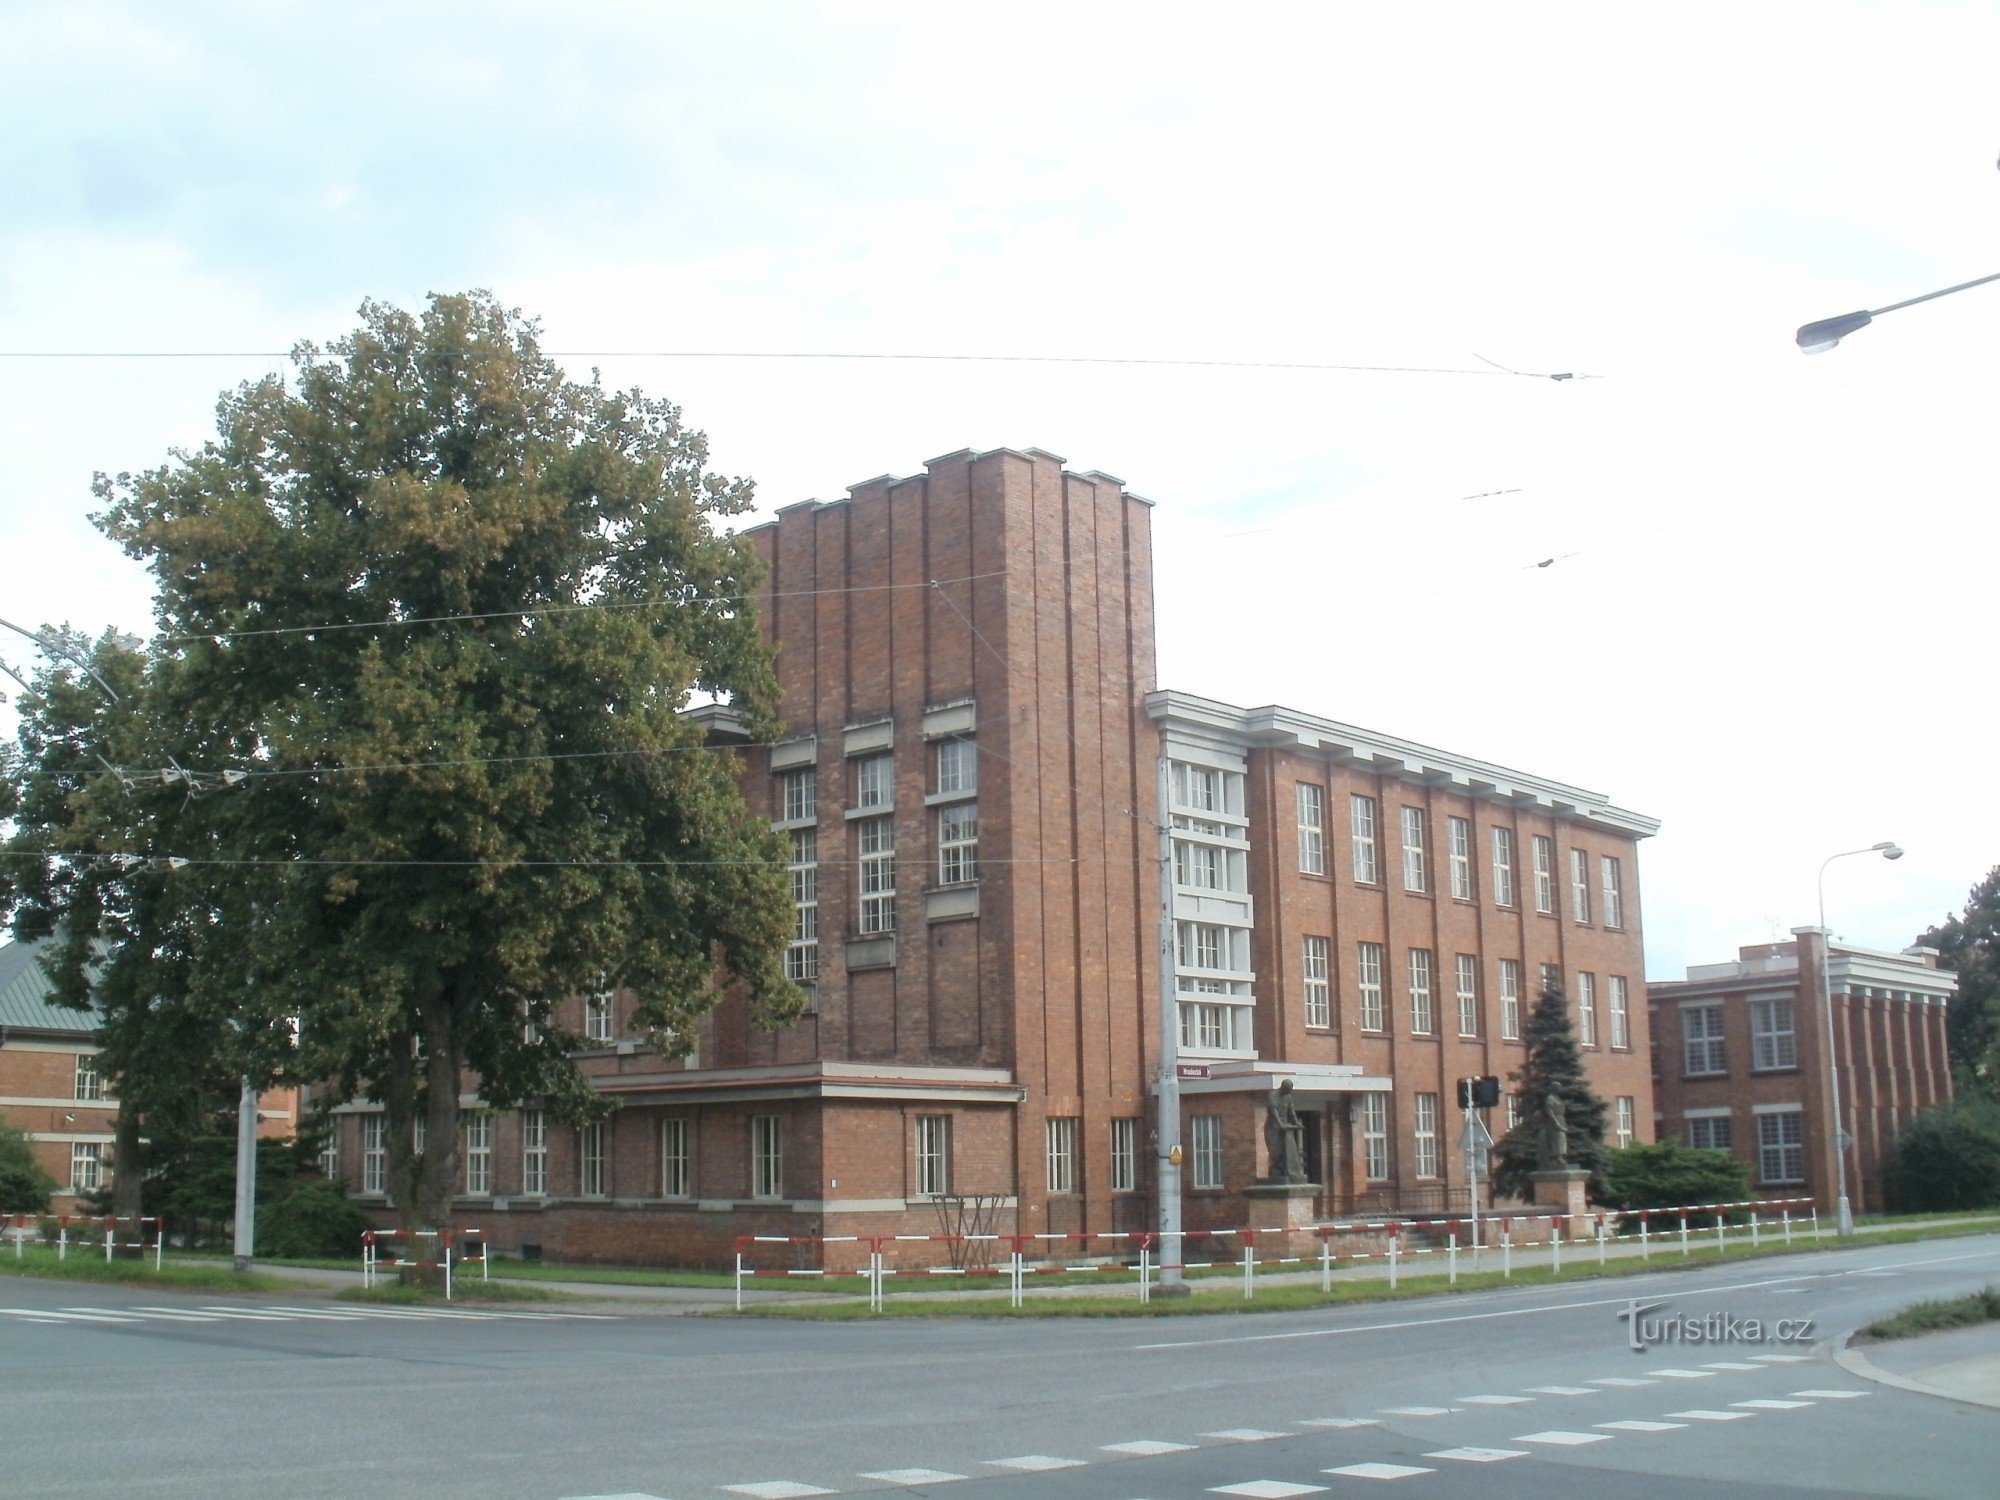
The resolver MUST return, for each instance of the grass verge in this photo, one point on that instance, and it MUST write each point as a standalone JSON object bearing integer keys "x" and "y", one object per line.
{"x": 1934, "y": 1317}
{"x": 186, "y": 1275}
{"x": 461, "y": 1291}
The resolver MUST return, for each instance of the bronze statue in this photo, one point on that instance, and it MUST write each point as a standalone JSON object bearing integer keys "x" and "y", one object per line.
{"x": 1285, "y": 1136}
{"x": 1552, "y": 1137}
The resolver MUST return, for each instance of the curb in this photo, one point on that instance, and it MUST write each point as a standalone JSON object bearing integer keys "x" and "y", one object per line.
{"x": 1857, "y": 1363}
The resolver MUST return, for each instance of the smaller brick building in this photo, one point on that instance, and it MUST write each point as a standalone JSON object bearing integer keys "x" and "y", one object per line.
{"x": 1741, "y": 1062}
{"x": 49, "y": 1083}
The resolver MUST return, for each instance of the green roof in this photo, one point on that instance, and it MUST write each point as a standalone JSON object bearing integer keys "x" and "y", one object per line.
{"x": 26, "y": 995}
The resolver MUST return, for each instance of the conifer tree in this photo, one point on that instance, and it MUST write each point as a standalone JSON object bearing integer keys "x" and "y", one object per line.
{"x": 1554, "y": 1066}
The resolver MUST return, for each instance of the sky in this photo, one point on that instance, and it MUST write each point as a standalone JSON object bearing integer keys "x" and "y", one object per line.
{"x": 1767, "y": 570}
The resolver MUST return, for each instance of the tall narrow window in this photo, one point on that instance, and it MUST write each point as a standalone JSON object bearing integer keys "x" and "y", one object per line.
{"x": 1124, "y": 1154}
{"x": 1621, "y": 1012}
{"x": 329, "y": 1152}
{"x": 957, "y": 767}
{"x": 534, "y": 1153}
{"x": 1319, "y": 990}
{"x": 875, "y": 841}
{"x": 1781, "y": 1148}
{"x": 1375, "y": 1137}
{"x": 1579, "y": 885}
{"x": 1460, "y": 834}
{"x": 1513, "y": 1111}
{"x": 590, "y": 1175}
{"x": 1468, "y": 994}
{"x": 418, "y": 1128}
{"x": 802, "y": 956}
{"x": 86, "y": 1167}
{"x": 933, "y": 1155}
{"x": 1198, "y": 787}
{"x": 478, "y": 1153}
{"x": 1773, "y": 1042}
{"x": 1503, "y": 866}
{"x": 1423, "y": 1009}
{"x": 1545, "y": 873}
{"x": 1586, "y": 1009}
{"x": 597, "y": 1017}
{"x": 1370, "y": 986}
{"x": 1312, "y": 830}
{"x": 676, "y": 1158}
{"x": 1362, "y": 811}
{"x": 958, "y": 842}
{"x": 1702, "y": 1046}
{"x": 1622, "y": 1116}
{"x": 89, "y": 1082}
{"x": 374, "y": 1154}
{"x": 767, "y": 1156}
{"x": 1424, "y": 1133}
{"x": 1416, "y": 862}
{"x": 1059, "y": 1135}
{"x": 800, "y": 794}
{"x": 1551, "y": 978}
{"x": 1510, "y": 999}
{"x": 875, "y": 782}
{"x": 1206, "y": 1131}
{"x": 1614, "y": 892}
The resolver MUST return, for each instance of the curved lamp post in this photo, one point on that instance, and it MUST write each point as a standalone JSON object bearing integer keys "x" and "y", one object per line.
{"x": 1817, "y": 338}
{"x": 1843, "y": 1211}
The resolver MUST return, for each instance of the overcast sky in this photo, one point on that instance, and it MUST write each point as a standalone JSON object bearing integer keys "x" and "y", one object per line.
{"x": 1769, "y": 618}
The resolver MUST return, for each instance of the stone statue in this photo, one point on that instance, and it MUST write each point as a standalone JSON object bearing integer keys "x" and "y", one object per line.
{"x": 1285, "y": 1136}
{"x": 1552, "y": 1136}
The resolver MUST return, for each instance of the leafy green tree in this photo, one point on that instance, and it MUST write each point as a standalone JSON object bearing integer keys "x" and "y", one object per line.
{"x": 1553, "y": 1067}
{"x": 445, "y": 610}
{"x": 1969, "y": 945}
{"x": 1668, "y": 1174}
{"x": 1949, "y": 1158}
{"x": 312, "y": 1217}
{"x": 24, "y": 1187}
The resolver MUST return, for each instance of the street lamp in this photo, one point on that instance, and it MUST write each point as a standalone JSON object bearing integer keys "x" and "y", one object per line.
{"x": 1843, "y": 1211}
{"x": 1817, "y": 338}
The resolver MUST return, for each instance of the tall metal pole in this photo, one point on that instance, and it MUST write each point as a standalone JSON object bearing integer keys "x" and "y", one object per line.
{"x": 1167, "y": 1090}
{"x": 246, "y": 1176}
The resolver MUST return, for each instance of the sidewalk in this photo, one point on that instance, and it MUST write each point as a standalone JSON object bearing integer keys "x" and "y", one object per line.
{"x": 1961, "y": 1364}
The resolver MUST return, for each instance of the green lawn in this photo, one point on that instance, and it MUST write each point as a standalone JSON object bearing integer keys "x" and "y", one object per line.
{"x": 1935, "y": 1317}
{"x": 81, "y": 1265}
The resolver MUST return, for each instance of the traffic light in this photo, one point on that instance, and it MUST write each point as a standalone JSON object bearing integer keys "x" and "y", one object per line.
{"x": 1478, "y": 1093}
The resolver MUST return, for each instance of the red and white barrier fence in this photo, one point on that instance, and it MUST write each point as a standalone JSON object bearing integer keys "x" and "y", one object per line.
{"x": 18, "y": 1228}
{"x": 437, "y": 1249}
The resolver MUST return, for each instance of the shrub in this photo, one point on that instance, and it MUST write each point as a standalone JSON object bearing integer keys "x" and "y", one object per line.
{"x": 1949, "y": 1158}
{"x": 314, "y": 1219}
{"x": 24, "y": 1187}
{"x": 1670, "y": 1175}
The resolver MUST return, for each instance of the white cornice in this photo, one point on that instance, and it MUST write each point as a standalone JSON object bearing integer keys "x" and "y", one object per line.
{"x": 1386, "y": 755}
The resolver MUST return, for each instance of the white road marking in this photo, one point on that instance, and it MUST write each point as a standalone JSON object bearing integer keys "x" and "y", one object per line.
{"x": 1699, "y": 1415}
{"x": 1565, "y": 1390}
{"x": 777, "y": 1489}
{"x": 913, "y": 1476}
{"x": 1147, "y": 1447}
{"x": 98, "y": 1315}
{"x": 1268, "y": 1489}
{"x": 1638, "y": 1426}
{"x": 1685, "y": 1374}
{"x": 1416, "y": 1411}
{"x": 1034, "y": 1463}
{"x": 1728, "y": 1364}
{"x": 1245, "y": 1434}
{"x": 1378, "y": 1471}
{"x": 1561, "y": 1439}
{"x": 1340, "y": 1422}
{"x": 1783, "y": 1359}
{"x": 1479, "y": 1455}
{"x": 1495, "y": 1400}
{"x": 1832, "y": 1395}
{"x": 622, "y": 1495}
{"x": 1769, "y": 1405}
{"x": 177, "y": 1315}
{"x": 1622, "y": 1381}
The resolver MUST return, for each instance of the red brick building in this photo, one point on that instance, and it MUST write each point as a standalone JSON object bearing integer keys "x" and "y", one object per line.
{"x": 969, "y": 781}
{"x": 1741, "y": 1063}
{"x": 49, "y": 1084}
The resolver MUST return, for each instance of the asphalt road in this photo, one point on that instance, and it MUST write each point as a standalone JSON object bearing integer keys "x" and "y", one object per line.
{"x": 141, "y": 1393}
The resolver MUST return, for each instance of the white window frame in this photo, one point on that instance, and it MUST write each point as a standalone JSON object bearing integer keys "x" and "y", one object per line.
{"x": 1368, "y": 960}
{"x": 89, "y": 1082}
{"x": 1545, "y": 872}
{"x": 1312, "y": 828}
{"x": 1424, "y": 1134}
{"x": 1586, "y": 1009}
{"x": 1458, "y": 836}
{"x": 1059, "y": 1142}
{"x": 1375, "y": 1137}
{"x": 1704, "y": 1045}
{"x": 875, "y": 782}
{"x": 1423, "y": 1001}
{"x": 956, "y": 767}
{"x": 1614, "y": 890}
{"x": 1205, "y": 1139}
{"x": 1416, "y": 849}
{"x": 1503, "y": 867}
{"x": 802, "y": 953}
{"x": 592, "y": 1153}
{"x": 1781, "y": 1147}
{"x": 875, "y": 872}
{"x": 477, "y": 1128}
{"x": 1125, "y": 1154}
{"x": 1510, "y": 999}
{"x": 1513, "y": 1111}
{"x": 1623, "y": 1120}
{"x": 767, "y": 1157}
{"x": 933, "y": 1153}
{"x": 1466, "y": 980}
{"x": 1361, "y": 813}
{"x": 374, "y": 1154}
{"x": 958, "y": 843}
{"x": 1579, "y": 885}
{"x": 86, "y": 1166}
{"x": 1316, "y": 960}
{"x": 329, "y": 1152}
{"x": 676, "y": 1156}
{"x": 1774, "y": 1038}
{"x": 597, "y": 1013}
{"x": 534, "y": 1153}
{"x": 1621, "y": 1013}
{"x": 798, "y": 794}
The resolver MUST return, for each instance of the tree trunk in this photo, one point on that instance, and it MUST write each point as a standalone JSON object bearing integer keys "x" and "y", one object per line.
{"x": 127, "y": 1170}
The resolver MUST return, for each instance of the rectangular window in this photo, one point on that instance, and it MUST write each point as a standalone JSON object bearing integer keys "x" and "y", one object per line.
{"x": 1513, "y": 1111}
{"x": 1370, "y": 987}
{"x": 1781, "y": 1147}
{"x": 802, "y": 956}
{"x": 534, "y": 1153}
{"x": 418, "y": 1127}
{"x": 1510, "y": 999}
{"x": 1503, "y": 867}
{"x": 1710, "y": 1133}
{"x": 1203, "y": 945}
{"x": 597, "y": 1017}
{"x": 933, "y": 1145}
{"x": 590, "y": 1160}
{"x": 329, "y": 1152}
{"x": 1375, "y": 1136}
{"x": 1773, "y": 1043}
{"x": 1197, "y": 787}
{"x": 1124, "y": 1155}
{"x": 676, "y": 1158}
{"x": 1059, "y": 1134}
{"x": 1621, "y": 1012}
{"x": 1579, "y": 886}
{"x": 1614, "y": 892}
{"x": 89, "y": 1083}
{"x": 1545, "y": 873}
{"x": 1416, "y": 865}
{"x": 1312, "y": 830}
{"x": 1423, "y": 1009}
{"x": 1206, "y": 1131}
{"x": 479, "y": 1153}
{"x": 875, "y": 840}
{"x": 957, "y": 767}
{"x": 1198, "y": 866}
{"x": 374, "y": 1154}
{"x": 1424, "y": 1122}
{"x": 86, "y": 1167}
{"x": 1621, "y": 1121}
{"x": 767, "y": 1156}
{"x": 1551, "y": 978}
{"x": 1586, "y": 1009}
{"x": 1362, "y": 811}
{"x": 1468, "y": 994}
{"x": 1319, "y": 989}
{"x": 875, "y": 781}
{"x": 1459, "y": 833}
{"x": 1701, "y": 1040}
{"x": 958, "y": 843}
{"x": 800, "y": 794}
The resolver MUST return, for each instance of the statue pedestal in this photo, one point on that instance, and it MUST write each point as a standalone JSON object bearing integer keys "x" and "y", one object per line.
{"x": 1562, "y": 1188}
{"x": 1281, "y": 1206}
